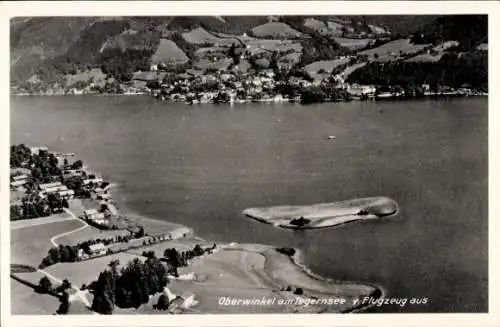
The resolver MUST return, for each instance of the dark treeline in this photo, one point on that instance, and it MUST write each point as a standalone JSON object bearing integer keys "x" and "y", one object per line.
{"x": 468, "y": 30}
{"x": 122, "y": 64}
{"x": 450, "y": 71}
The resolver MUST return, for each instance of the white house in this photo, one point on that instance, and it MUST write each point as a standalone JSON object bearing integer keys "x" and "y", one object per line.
{"x": 90, "y": 212}
{"x": 97, "y": 249}
{"x": 49, "y": 185}
{"x": 18, "y": 183}
{"x": 67, "y": 194}
{"x": 19, "y": 177}
{"x": 37, "y": 150}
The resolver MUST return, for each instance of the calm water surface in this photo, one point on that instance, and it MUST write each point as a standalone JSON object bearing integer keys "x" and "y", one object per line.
{"x": 202, "y": 165}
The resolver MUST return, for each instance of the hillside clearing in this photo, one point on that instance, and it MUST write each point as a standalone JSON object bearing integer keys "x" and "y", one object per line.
{"x": 326, "y": 65}
{"x": 84, "y": 272}
{"x": 201, "y": 36}
{"x": 352, "y": 44}
{"x": 275, "y": 29}
{"x": 425, "y": 57}
{"x": 396, "y": 47}
{"x": 221, "y": 64}
{"x": 168, "y": 52}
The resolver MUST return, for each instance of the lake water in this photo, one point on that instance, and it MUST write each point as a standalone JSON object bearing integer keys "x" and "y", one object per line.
{"x": 202, "y": 165}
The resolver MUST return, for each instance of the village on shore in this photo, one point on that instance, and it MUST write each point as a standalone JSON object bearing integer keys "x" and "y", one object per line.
{"x": 266, "y": 85}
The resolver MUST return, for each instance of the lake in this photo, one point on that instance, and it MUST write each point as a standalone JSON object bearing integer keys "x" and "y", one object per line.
{"x": 202, "y": 165}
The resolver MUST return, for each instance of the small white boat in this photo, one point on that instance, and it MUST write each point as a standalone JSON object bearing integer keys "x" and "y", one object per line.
{"x": 332, "y": 137}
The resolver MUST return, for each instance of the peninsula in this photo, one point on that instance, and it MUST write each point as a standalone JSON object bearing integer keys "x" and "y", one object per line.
{"x": 325, "y": 214}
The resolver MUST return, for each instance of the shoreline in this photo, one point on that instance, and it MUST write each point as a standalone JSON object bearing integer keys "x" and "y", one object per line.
{"x": 273, "y": 256}
{"x": 296, "y": 258}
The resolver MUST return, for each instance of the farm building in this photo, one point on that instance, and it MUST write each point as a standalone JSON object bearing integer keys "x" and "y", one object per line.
{"x": 43, "y": 187}
{"x": 67, "y": 194}
{"x": 19, "y": 183}
{"x": 359, "y": 90}
{"x": 97, "y": 249}
{"x": 39, "y": 150}
{"x": 20, "y": 177}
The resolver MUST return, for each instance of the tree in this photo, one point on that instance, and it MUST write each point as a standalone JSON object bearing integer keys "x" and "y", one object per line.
{"x": 64, "y": 306}
{"x": 77, "y": 164}
{"x": 44, "y": 285}
{"x": 163, "y": 302}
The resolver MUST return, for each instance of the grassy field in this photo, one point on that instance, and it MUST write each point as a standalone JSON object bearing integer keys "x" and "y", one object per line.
{"x": 30, "y": 245}
{"x": 271, "y": 45}
{"x": 168, "y": 52}
{"x": 352, "y": 44}
{"x": 219, "y": 64}
{"x": 396, "y": 47}
{"x": 95, "y": 73}
{"x": 327, "y": 65}
{"x": 275, "y": 29}
{"x": 290, "y": 59}
{"x": 328, "y": 28}
{"x": 89, "y": 233}
{"x": 25, "y": 301}
{"x": 200, "y": 36}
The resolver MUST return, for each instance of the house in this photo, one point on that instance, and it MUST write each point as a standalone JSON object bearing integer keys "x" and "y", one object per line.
{"x": 97, "y": 249}
{"x": 67, "y": 194}
{"x": 72, "y": 173}
{"x": 20, "y": 177}
{"x": 96, "y": 217}
{"x": 48, "y": 185}
{"x": 360, "y": 90}
{"x": 19, "y": 183}
{"x": 39, "y": 150}
{"x": 54, "y": 189}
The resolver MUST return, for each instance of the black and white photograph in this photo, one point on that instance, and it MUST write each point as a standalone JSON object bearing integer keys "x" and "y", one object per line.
{"x": 263, "y": 163}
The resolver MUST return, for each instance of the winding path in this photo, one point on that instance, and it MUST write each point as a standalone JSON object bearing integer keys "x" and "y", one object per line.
{"x": 85, "y": 225}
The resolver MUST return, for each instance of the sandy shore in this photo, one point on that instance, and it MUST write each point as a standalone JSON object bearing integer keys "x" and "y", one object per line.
{"x": 325, "y": 214}
{"x": 255, "y": 278}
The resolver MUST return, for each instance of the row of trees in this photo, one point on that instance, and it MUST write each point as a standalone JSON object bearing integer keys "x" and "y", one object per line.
{"x": 34, "y": 206}
{"x": 67, "y": 253}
